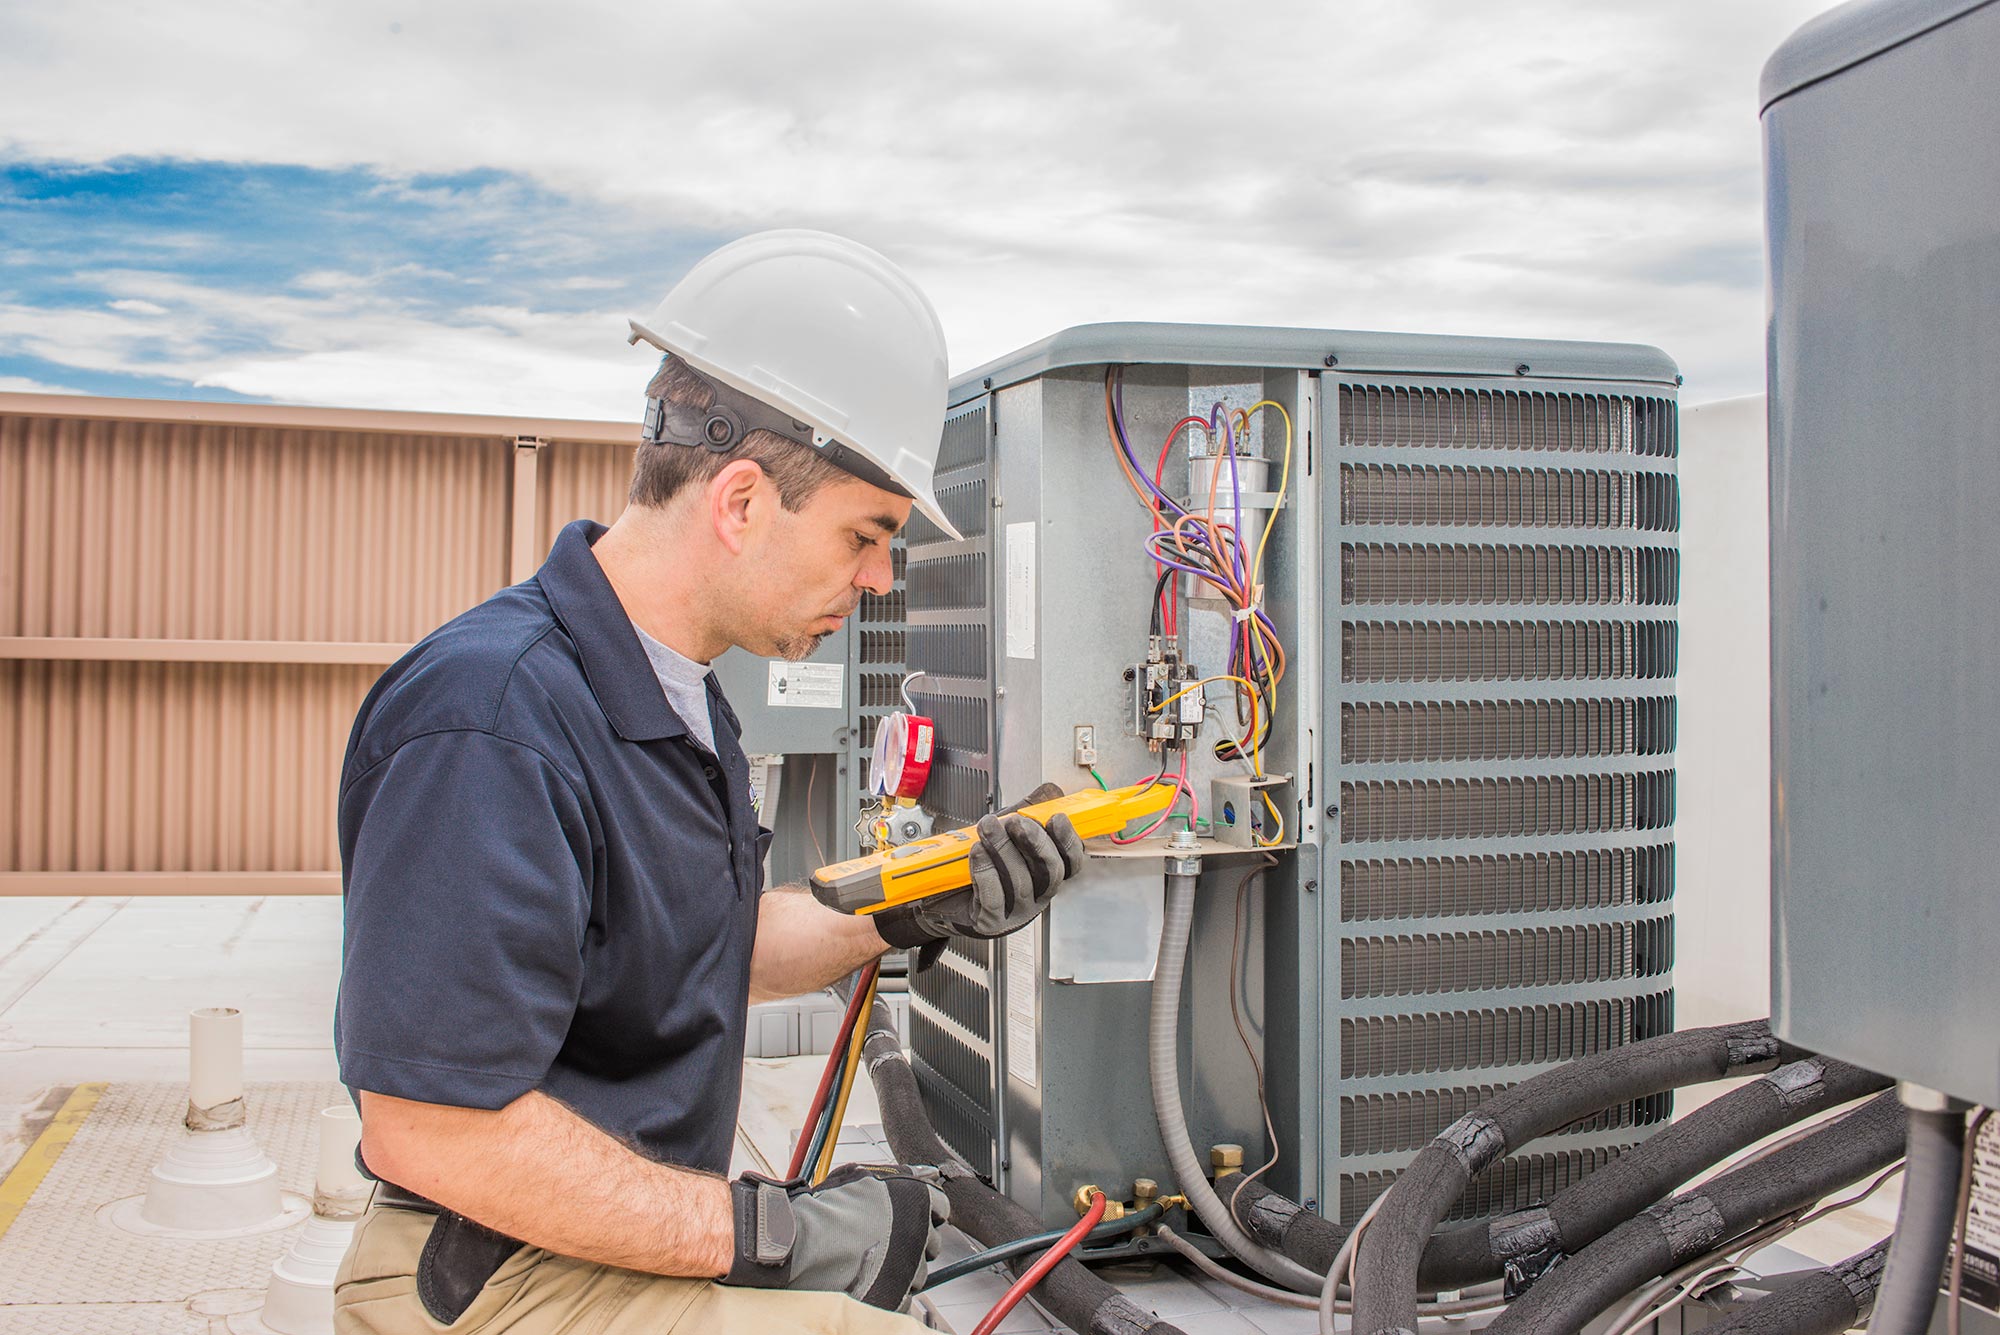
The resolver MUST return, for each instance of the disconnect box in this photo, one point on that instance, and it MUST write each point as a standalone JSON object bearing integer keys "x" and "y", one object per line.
{"x": 1396, "y": 616}
{"x": 1883, "y": 138}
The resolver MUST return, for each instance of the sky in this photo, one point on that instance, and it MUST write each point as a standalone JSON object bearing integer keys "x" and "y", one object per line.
{"x": 455, "y": 206}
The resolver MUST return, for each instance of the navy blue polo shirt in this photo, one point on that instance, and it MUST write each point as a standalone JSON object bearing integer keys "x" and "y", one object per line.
{"x": 549, "y": 885}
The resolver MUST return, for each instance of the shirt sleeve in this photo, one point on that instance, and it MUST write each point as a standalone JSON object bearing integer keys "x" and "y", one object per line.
{"x": 468, "y": 894}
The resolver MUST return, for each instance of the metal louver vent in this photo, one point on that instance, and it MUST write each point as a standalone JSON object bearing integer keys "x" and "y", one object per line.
{"x": 1506, "y": 420}
{"x": 954, "y": 583}
{"x": 1498, "y": 1037}
{"x": 961, "y": 719}
{"x": 1555, "y": 882}
{"x": 1391, "y": 966}
{"x": 1506, "y": 729}
{"x": 1508, "y": 650}
{"x": 1523, "y": 502}
{"x": 952, "y": 1038}
{"x": 1494, "y": 808}
{"x": 1463, "y": 573}
{"x": 951, "y": 1048}
{"x": 1517, "y": 497}
{"x": 878, "y": 621}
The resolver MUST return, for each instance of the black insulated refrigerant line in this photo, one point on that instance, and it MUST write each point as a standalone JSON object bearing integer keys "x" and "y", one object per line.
{"x": 1579, "y": 1215}
{"x": 1696, "y": 1222}
{"x": 1811, "y": 1302}
{"x": 1388, "y": 1260}
{"x": 1077, "y": 1298}
{"x": 1572, "y": 1220}
{"x": 1924, "y": 1224}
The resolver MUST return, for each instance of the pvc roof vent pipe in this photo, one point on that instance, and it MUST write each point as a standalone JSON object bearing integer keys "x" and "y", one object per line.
{"x": 215, "y": 1178}
{"x": 299, "y": 1298}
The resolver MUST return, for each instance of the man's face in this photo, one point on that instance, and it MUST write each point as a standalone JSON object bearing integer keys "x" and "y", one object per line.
{"x": 806, "y": 570}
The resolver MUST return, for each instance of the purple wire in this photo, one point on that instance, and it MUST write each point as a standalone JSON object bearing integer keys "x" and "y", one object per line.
{"x": 1117, "y": 379}
{"x": 1236, "y": 491}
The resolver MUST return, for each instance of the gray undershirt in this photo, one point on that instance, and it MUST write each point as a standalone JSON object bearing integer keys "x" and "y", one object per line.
{"x": 685, "y": 682}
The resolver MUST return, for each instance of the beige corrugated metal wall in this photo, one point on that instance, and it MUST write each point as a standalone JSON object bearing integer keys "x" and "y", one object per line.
{"x": 195, "y": 597}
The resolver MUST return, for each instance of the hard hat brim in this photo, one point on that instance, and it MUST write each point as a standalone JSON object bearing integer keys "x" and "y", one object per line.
{"x": 921, "y": 494}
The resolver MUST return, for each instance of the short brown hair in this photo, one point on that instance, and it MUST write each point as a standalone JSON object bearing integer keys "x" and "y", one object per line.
{"x": 661, "y": 472}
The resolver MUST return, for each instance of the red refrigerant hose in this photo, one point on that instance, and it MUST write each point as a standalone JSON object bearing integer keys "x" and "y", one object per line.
{"x": 1034, "y": 1274}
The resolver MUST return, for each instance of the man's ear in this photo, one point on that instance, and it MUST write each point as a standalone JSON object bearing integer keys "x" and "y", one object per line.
{"x": 731, "y": 497}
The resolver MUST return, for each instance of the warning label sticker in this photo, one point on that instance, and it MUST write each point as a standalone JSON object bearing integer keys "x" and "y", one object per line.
{"x": 1982, "y": 1221}
{"x": 806, "y": 685}
{"x": 1023, "y": 1033}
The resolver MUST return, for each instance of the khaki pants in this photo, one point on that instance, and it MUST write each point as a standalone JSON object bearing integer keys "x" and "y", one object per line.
{"x": 538, "y": 1293}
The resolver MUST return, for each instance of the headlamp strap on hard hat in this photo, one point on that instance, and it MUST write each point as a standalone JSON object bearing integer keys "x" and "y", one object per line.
{"x": 731, "y": 415}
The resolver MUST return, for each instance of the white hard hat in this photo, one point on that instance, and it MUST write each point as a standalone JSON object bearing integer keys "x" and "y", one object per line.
{"x": 827, "y": 332}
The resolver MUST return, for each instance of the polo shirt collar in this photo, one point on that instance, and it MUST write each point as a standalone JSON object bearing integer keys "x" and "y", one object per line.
{"x": 614, "y": 662}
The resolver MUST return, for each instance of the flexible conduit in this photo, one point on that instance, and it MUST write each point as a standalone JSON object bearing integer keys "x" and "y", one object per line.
{"x": 1924, "y": 1224}
{"x": 1163, "y": 1060}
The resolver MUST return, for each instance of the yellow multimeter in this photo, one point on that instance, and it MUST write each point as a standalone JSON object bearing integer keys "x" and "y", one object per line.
{"x": 941, "y": 863}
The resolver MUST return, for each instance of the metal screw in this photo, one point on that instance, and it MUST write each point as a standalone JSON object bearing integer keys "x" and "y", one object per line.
{"x": 1522, "y": 369}
{"x": 1312, "y": 887}
{"x": 999, "y": 501}
{"x": 1329, "y": 361}
{"x": 987, "y": 383}
{"x": 1333, "y": 811}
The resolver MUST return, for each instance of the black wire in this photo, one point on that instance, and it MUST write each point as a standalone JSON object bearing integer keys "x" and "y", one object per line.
{"x": 1159, "y": 592}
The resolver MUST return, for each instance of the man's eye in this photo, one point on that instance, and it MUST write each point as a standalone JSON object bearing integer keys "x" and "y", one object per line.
{"x": 863, "y": 541}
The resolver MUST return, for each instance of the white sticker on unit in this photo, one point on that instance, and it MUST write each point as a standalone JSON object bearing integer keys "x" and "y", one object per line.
{"x": 1021, "y": 590}
{"x": 1023, "y": 998}
{"x": 806, "y": 685}
{"x": 1981, "y": 1281}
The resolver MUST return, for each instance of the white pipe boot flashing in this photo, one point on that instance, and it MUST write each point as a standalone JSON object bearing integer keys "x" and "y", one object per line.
{"x": 299, "y": 1300}
{"x": 215, "y": 1178}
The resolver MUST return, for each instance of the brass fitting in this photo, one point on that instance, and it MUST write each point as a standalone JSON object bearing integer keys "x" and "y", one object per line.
{"x": 1225, "y": 1159}
{"x": 1145, "y": 1192}
{"x": 1081, "y": 1198}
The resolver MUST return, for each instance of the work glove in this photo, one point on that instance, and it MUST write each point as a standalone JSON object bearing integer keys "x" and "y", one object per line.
{"x": 1017, "y": 866}
{"x": 865, "y": 1231}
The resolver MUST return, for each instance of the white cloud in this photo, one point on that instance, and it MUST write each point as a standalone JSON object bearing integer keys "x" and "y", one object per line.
{"x": 15, "y": 384}
{"x": 1546, "y": 168}
{"x": 133, "y": 306}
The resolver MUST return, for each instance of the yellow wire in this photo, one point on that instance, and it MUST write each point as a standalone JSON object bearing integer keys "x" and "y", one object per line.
{"x": 1197, "y": 685}
{"x": 1279, "y": 837}
{"x": 849, "y": 1072}
{"x": 1284, "y": 484}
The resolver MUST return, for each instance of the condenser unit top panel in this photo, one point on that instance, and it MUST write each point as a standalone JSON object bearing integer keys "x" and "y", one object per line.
{"x": 1845, "y": 37}
{"x": 1353, "y": 351}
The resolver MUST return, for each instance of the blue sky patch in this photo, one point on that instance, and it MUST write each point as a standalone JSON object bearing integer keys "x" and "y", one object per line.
{"x": 145, "y": 278}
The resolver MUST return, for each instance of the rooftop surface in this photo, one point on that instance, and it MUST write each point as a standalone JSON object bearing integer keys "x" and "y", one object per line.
{"x": 98, "y": 990}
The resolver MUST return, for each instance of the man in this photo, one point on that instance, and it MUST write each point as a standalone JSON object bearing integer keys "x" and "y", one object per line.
{"x": 555, "y": 917}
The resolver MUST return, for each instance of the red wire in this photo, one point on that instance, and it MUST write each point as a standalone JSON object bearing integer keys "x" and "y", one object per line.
{"x": 1171, "y": 621}
{"x": 1037, "y": 1272}
{"x": 835, "y": 1062}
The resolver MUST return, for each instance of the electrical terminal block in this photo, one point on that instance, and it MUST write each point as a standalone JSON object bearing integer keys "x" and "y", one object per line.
{"x": 1086, "y": 745}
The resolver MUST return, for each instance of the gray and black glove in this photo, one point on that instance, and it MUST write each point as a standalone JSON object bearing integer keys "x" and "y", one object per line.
{"x": 1017, "y": 866}
{"x": 865, "y": 1231}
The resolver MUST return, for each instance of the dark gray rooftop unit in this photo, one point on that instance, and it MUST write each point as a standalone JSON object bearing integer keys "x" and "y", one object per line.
{"x": 1882, "y": 140}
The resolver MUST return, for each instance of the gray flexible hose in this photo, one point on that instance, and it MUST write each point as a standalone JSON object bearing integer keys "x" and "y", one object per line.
{"x": 1924, "y": 1225}
{"x": 1163, "y": 1060}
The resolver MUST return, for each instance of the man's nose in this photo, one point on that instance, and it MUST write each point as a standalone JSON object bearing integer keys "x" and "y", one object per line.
{"x": 878, "y": 573}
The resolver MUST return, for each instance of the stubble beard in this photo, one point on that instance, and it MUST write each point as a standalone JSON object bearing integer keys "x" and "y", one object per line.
{"x": 796, "y": 648}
